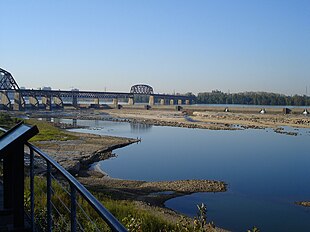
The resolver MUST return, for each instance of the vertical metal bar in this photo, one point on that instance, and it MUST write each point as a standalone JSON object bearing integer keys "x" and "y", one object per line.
{"x": 49, "y": 197}
{"x": 32, "y": 188}
{"x": 73, "y": 208}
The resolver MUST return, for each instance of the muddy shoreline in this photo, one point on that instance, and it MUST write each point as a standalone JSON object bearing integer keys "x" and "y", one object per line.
{"x": 79, "y": 166}
{"x": 303, "y": 203}
{"x": 188, "y": 118}
{"x": 76, "y": 156}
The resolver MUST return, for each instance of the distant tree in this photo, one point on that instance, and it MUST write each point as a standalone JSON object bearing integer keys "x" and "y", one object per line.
{"x": 251, "y": 98}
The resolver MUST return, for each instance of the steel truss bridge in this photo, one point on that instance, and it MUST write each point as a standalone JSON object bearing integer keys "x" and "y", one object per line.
{"x": 49, "y": 98}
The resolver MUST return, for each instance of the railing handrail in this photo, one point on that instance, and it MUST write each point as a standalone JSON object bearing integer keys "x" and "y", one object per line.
{"x": 101, "y": 210}
{"x": 113, "y": 223}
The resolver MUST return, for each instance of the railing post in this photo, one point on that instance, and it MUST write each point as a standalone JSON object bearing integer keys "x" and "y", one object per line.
{"x": 32, "y": 188}
{"x": 73, "y": 207}
{"x": 49, "y": 197}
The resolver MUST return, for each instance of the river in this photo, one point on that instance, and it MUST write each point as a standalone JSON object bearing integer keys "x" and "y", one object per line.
{"x": 266, "y": 172}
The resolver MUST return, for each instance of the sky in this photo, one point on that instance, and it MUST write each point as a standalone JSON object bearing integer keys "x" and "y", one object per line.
{"x": 173, "y": 45}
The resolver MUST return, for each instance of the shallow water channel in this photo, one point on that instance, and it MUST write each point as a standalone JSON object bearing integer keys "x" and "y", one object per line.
{"x": 266, "y": 172}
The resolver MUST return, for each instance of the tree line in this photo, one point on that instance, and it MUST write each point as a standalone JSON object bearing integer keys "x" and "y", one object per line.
{"x": 244, "y": 98}
{"x": 252, "y": 98}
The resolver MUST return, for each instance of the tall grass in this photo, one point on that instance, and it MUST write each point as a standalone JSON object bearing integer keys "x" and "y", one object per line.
{"x": 125, "y": 211}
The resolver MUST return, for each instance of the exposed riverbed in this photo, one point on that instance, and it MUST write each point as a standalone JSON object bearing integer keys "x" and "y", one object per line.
{"x": 266, "y": 171}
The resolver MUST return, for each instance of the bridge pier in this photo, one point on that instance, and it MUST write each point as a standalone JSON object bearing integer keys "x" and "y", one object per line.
{"x": 75, "y": 101}
{"x": 180, "y": 102}
{"x": 58, "y": 102}
{"x": 34, "y": 103}
{"x": 131, "y": 101}
{"x": 151, "y": 100}
{"x": 96, "y": 101}
{"x": 5, "y": 101}
{"x": 47, "y": 102}
{"x": 19, "y": 102}
{"x": 115, "y": 102}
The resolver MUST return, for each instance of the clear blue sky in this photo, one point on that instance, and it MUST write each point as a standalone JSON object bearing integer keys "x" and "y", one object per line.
{"x": 173, "y": 45}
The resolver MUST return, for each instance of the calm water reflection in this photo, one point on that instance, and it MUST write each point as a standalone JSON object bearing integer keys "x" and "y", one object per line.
{"x": 266, "y": 172}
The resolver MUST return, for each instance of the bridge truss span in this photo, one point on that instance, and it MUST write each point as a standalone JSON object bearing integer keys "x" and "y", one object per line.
{"x": 10, "y": 93}
{"x": 142, "y": 89}
{"x": 78, "y": 94}
{"x": 7, "y": 81}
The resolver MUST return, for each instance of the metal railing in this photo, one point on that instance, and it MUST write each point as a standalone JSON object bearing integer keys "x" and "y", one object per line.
{"x": 74, "y": 188}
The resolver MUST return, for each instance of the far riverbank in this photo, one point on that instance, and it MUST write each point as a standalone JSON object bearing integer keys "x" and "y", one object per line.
{"x": 204, "y": 117}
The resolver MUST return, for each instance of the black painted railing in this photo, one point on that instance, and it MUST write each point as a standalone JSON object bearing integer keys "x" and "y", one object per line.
{"x": 73, "y": 188}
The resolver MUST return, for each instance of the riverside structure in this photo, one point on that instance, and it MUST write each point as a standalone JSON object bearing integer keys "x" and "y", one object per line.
{"x": 54, "y": 98}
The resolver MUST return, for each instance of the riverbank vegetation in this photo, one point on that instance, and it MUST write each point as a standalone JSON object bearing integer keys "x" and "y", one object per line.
{"x": 252, "y": 98}
{"x": 6, "y": 121}
{"x": 48, "y": 132}
{"x": 131, "y": 215}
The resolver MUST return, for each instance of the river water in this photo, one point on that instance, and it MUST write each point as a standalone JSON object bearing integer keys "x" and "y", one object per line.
{"x": 266, "y": 172}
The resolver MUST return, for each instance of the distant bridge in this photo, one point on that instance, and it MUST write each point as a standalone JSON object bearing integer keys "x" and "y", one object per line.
{"x": 55, "y": 98}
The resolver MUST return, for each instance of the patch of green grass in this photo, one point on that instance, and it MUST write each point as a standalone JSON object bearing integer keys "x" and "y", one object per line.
{"x": 49, "y": 132}
{"x": 6, "y": 121}
{"x": 126, "y": 211}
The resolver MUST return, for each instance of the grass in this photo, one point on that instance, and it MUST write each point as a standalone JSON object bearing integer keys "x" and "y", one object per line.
{"x": 6, "y": 121}
{"x": 132, "y": 217}
{"x": 49, "y": 132}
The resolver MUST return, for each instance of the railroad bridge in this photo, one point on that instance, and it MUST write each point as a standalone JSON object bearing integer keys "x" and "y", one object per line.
{"x": 14, "y": 98}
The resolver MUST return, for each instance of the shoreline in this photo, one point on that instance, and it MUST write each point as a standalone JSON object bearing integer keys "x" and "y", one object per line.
{"x": 213, "y": 118}
{"x": 89, "y": 149}
{"x": 133, "y": 189}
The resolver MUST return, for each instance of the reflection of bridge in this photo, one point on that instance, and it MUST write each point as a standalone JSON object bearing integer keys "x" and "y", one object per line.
{"x": 12, "y": 97}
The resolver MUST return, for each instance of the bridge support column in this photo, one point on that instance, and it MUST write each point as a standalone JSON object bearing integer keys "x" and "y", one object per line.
{"x": 5, "y": 101}
{"x": 19, "y": 102}
{"x": 162, "y": 101}
{"x": 187, "y": 102}
{"x": 34, "y": 103}
{"x": 115, "y": 102}
{"x": 151, "y": 100}
{"x": 97, "y": 101}
{"x": 171, "y": 102}
{"x": 58, "y": 102}
{"x": 75, "y": 101}
{"x": 179, "y": 102}
{"x": 131, "y": 101}
{"x": 47, "y": 102}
